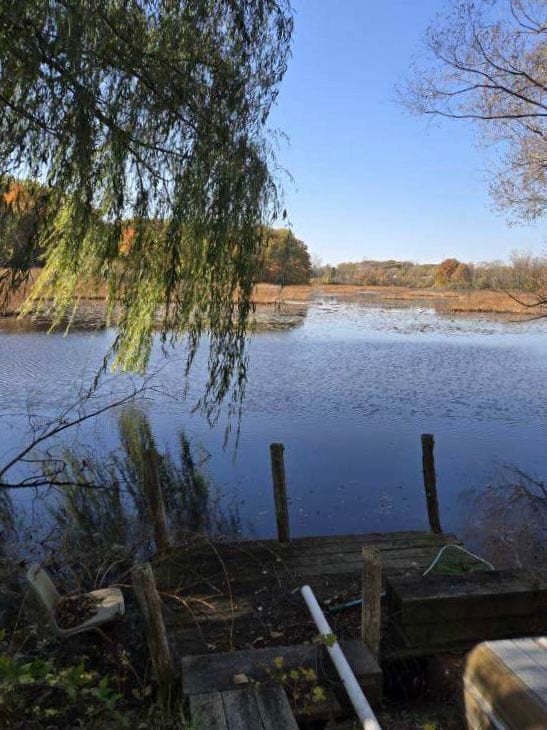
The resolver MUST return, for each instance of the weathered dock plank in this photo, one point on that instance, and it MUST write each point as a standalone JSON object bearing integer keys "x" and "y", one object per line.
{"x": 274, "y": 709}
{"x": 259, "y": 708}
{"x": 207, "y": 710}
{"x": 215, "y": 672}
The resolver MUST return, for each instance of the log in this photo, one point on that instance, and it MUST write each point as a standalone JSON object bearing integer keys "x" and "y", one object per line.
{"x": 144, "y": 587}
{"x": 478, "y": 606}
{"x": 280, "y": 492}
{"x": 430, "y": 482}
{"x": 371, "y": 600}
{"x": 154, "y": 496}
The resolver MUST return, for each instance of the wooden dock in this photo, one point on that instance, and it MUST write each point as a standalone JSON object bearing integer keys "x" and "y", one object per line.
{"x": 236, "y": 607}
{"x": 242, "y": 595}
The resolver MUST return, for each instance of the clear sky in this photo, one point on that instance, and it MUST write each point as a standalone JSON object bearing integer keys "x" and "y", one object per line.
{"x": 371, "y": 180}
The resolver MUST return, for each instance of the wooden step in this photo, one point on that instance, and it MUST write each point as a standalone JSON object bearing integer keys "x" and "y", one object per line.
{"x": 208, "y": 673}
{"x": 259, "y": 708}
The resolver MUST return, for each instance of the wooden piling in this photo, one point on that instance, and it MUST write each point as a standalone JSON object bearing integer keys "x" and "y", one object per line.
{"x": 371, "y": 600}
{"x": 430, "y": 482}
{"x": 144, "y": 587}
{"x": 154, "y": 496}
{"x": 280, "y": 492}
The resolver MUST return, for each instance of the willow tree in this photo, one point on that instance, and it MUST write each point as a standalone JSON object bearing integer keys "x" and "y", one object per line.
{"x": 146, "y": 122}
{"x": 486, "y": 62}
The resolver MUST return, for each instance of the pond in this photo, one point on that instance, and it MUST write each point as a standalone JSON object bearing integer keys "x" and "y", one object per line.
{"x": 348, "y": 386}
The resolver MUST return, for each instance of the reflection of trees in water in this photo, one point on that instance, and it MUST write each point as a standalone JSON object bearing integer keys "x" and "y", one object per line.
{"x": 7, "y": 521}
{"x": 509, "y": 521}
{"x": 115, "y": 511}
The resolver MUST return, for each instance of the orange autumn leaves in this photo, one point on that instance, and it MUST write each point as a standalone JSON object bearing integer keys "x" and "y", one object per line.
{"x": 18, "y": 198}
{"x": 126, "y": 240}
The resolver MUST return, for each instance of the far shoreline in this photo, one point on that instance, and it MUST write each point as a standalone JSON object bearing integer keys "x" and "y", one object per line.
{"x": 450, "y": 301}
{"x": 482, "y": 301}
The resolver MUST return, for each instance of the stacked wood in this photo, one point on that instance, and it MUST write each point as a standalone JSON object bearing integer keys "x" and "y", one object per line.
{"x": 440, "y": 610}
{"x": 505, "y": 685}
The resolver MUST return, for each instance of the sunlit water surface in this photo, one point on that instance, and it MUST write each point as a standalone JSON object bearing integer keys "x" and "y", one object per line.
{"x": 348, "y": 387}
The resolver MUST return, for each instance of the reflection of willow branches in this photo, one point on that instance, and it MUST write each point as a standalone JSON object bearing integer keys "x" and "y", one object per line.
{"x": 509, "y": 520}
{"x": 117, "y": 514}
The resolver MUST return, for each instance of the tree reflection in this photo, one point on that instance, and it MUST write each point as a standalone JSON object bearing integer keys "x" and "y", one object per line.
{"x": 114, "y": 512}
{"x": 508, "y": 521}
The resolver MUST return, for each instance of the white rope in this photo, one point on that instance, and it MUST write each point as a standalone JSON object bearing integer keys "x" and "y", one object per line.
{"x": 464, "y": 550}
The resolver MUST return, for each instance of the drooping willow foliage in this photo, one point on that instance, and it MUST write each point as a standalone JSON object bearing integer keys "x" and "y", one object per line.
{"x": 146, "y": 121}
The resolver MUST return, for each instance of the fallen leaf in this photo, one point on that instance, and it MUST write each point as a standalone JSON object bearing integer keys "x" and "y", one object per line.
{"x": 240, "y": 679}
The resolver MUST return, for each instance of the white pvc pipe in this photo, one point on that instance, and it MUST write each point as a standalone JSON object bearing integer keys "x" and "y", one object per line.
{"x": 358, "y": 700}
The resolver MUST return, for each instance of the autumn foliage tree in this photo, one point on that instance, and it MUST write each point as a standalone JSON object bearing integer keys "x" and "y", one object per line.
{"x": 453, "y": 273}
{"x": 286, "y": 259}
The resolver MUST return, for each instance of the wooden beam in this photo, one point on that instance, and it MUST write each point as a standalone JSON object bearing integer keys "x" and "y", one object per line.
{"x": 280, "y": 492}
{"x": 144, "y": 587}
{"x": 371, "y": 600}
{"x": 430, "y": 482}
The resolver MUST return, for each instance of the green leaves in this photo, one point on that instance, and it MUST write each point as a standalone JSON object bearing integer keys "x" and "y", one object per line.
{"x": 74, "y": 684}
{"x": 148, "y": 115}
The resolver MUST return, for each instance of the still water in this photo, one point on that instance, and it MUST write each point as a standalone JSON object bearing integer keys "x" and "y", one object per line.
{"x": 348, "y": 387}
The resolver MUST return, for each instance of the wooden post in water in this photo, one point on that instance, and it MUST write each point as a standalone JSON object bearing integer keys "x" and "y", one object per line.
{"x": 154, "y": 496}
{"x": 280, "y": 492}
{"x": 430, "y": 482}
{"x": 371, "y": 611}
{"x": 144, "y": 587}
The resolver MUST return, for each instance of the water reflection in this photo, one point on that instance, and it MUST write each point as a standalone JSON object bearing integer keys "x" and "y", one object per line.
{"x": 348, "y": 389}
{"x": 508, "y": 521}
{"x": 99, "y": 507}
{"x": 91, "y": 317}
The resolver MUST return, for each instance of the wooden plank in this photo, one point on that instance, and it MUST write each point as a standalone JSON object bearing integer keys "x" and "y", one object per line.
{"x": 484, "y": 583}
{"x": 207, "y": 673}
{"x": 264, "y": 549}
{"x": 416, "y": 600}
{"x": 500, "y": 691}
{"x": 243, "y": 564}
{"x": 207, "y": 711}
{"x": 274, "y": 709}
{"x": 241, "y": 709}
{"x": 447, "y": 632}
{"x": 536, "y": 651}
{"x": 529, "y": 664}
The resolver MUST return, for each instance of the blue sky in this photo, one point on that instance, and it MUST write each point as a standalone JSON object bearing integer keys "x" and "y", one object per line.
{"x": 371, "y": 180}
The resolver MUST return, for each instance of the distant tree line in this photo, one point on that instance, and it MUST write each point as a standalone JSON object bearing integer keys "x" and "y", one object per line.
{"x": 524, "y": 272}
